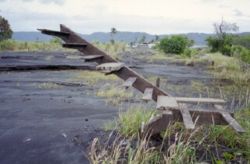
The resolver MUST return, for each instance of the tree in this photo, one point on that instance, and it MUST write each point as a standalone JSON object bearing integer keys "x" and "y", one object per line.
{"x": 223, "y": 39}
{"x": 5, "y": 30}
{"x": 224, "y": 28}
{"x": 112, "y": 33}
{"x": 242, "y": 40}
{"x": 175, "y": 44}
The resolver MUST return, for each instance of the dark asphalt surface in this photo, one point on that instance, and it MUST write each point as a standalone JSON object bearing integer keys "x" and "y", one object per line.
{"x": 45, "y": 118}
{"x": 41, "y": 58}
{"x": 42, "y": 124}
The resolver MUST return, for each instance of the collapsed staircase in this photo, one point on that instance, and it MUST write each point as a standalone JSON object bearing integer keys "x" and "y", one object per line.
{"x": 169, "y": 108}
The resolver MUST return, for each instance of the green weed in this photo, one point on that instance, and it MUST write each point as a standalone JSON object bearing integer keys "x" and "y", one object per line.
{"x": 93, "y": 77}
{"x": 114, "y": 95}
{"x": 130, "y": 122}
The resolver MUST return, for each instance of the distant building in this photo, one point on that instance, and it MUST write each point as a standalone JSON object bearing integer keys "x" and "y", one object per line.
{"x": 143, "y": 45}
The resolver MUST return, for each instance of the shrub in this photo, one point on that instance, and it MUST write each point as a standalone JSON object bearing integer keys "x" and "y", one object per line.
{"x": 243, "y": 40}
{"x": 231, "y": 46}
{"x": 222, "y": 45}
{"x": 241, "y": 53}
{"x": 187, "y": 52}
{"x": 175, "y": 44}
{"x": 213, "y": 43}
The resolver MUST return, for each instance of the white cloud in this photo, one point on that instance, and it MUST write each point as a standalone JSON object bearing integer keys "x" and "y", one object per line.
{"x": 158, "y": 16}
{"x": 46, "y": 1}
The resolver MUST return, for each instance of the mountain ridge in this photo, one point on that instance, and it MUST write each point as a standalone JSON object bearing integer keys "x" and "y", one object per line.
{"x": 199, "y": 38}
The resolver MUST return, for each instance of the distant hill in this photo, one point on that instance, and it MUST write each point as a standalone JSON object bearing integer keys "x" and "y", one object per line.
{"x": 120, "y": 36}
{"x": 30, "y": 36}
{"x": 199, "y": 38}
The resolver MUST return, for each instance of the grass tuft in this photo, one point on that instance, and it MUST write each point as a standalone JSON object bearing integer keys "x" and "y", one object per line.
{"x": 130, "y": 122}
{"x": 93, "y": 77}
{"x": 49, "y": 85}
{"x": 114, "y": 95}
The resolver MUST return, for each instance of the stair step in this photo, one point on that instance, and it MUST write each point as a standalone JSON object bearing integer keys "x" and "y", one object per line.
{"x": 232, "y": 122}
{"x": 187, "y": 119}
{"x": 54, "y": 33}
{"x": 92, "y": 57}
{"x": 167, "y": 102}
{"x": 129, "y": 82}
{"x": 219, "y": 107}
{"x": 110, "y": 67}
{"x": 199, "y": 100}
{"x": 74, "y": 45}
{"x": 148, "y": 94}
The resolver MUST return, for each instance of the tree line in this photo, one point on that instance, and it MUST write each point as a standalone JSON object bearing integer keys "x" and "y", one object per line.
{"x": 225, "y": 40}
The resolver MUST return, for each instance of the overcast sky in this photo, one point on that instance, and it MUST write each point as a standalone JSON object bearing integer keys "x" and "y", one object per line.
{"x": 152, "y": 16}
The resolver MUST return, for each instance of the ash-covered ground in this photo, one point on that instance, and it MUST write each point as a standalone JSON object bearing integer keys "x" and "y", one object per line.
{"x": 47, "y": 118}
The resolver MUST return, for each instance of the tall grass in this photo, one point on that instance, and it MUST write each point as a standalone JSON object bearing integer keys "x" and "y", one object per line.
{"x": 212, "y": 144}
{"x": 230, "y": 68}
{"x": 93, "y": 77}
{"x": 141, "y": 151}
{"x": 113, "y": 49}
{"x": 231, "y": 81}
{"x": 121, "y": 151}
{"x": 130, "y": 121}
{"x": 13, "y": 45}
